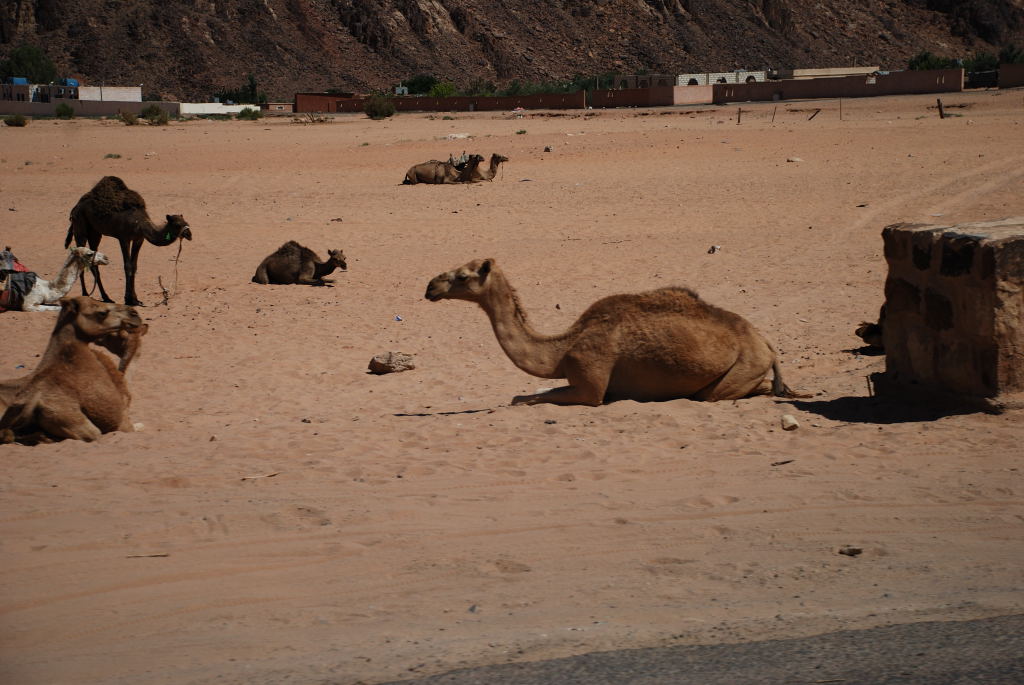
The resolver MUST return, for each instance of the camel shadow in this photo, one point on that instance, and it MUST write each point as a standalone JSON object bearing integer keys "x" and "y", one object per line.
{"x": 879, "y": 410}
{"x": 866, "y": 351}
{"x": 488, "y": 410}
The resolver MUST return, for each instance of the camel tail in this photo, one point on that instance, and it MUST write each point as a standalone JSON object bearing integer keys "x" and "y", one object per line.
{"x": 70, "y": 235}
{"x": 779, "y": 387}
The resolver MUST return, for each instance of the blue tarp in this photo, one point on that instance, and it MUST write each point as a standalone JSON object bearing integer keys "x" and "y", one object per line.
{"x": 17, "y": 80}
{"x": 73, "y": 82}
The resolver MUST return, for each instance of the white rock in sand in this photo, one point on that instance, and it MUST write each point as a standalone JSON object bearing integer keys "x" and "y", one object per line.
{"x": 789, "y": 422}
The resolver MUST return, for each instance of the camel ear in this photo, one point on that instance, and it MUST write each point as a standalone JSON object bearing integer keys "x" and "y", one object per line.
{"x": 68, "y": 304}
{"x": 485, "y": 268}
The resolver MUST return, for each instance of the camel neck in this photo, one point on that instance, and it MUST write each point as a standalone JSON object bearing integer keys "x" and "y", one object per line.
{"x": 68, "y": 274}
{"x": 64, "y": 346}
{"x": 536, "y": 354}
{"x": 161, "y": 236}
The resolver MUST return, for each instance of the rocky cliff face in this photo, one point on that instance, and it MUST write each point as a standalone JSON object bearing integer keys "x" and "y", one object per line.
{"x": 188, "y": 49}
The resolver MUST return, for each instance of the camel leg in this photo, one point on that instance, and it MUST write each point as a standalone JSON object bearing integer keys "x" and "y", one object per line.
{"x": 586, "y": 386}
{"x": 94, "y": 243}
{"x": 131, "y": 263}
{"x": 743, "y": 379}
{"x": 67, "y": 422}
{"x": 306, "y": 277}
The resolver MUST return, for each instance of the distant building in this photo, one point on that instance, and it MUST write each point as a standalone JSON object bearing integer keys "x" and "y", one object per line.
{"x": 712, "y": 77}
{"x": 281, "y": 107}
{"x": 110, "y": 93}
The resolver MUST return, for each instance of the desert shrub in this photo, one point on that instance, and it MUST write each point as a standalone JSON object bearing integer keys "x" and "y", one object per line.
{"x": 379, "y": 107}
{"x": 16, "y": 120}
{"x": 249, "y": 113}
{"x": 155, "y": 115}
{"x": 129, "y": 118}
{"x": 64, "y": 111}
{"x": 520, "y": 131}
{"x": 111, "y": 155}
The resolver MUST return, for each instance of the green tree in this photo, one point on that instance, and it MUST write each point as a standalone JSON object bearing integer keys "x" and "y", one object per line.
{"x": 249, "y": 93}
{"x": 442, "y": 89}
{"x": 925, "y": 60}
{"x": 981, "y": 61}
{"x": 1011, "y": 54}
{"x": 31, "y": 62}
{"x": 420, "y": 84}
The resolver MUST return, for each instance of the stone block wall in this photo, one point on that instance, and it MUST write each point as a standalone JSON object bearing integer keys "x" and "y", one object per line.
{"x": 954, "y": 309}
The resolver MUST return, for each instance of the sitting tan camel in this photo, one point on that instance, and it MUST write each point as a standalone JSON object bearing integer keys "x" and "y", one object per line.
{"x": 434, "y": 171}
{"x": 656, "y": 345}
{"x": 123, "y": 344}
{"x": 476, "y": 174}
{"x": 294, "y": 263}
{"x": 438, "y": 172}
{"x": 76, "y": 392}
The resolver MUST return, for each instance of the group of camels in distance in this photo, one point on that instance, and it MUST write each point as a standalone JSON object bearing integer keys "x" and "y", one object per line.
{"x": 657, "y": 345}
{"x": 462, "y": 169}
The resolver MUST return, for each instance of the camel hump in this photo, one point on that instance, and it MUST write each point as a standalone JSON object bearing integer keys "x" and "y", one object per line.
{"x": 293, "y": 248}
{"x": 111, "y": 196}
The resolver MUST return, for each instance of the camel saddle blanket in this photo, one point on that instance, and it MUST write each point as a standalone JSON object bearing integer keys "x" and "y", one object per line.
{"x": 14, "y": 286}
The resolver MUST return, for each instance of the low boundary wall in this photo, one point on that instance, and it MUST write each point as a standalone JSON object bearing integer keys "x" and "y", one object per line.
{"x": 1011, "y": 75}
{"x": 84, "y": 108}
{"x": 898, "y": 83}
{"x": 322, "y": 102}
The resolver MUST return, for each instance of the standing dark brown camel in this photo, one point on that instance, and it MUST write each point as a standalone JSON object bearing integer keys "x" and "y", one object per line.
{"x": 111, "y": 208}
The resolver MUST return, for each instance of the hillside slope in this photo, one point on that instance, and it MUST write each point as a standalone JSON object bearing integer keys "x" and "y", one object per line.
{"x": 192, "y": 48}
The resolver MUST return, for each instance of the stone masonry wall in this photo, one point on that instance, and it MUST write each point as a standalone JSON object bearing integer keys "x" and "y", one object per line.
{"x": 954, "y": 300}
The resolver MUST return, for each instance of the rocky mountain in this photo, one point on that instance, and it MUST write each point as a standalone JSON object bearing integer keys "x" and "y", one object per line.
{"x": 189, "y": 49}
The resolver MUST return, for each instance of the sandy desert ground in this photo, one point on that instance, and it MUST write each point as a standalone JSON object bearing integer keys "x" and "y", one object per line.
{"x": 285, "y": 517}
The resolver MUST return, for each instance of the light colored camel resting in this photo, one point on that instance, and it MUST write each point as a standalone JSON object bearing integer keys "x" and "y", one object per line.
{"x": 75, "y": 392}
{"x": 293, "y": 263}
{"x": 44, "y": 294}
{"x": 656, "y": 345}
{"x": 112, "y": 208}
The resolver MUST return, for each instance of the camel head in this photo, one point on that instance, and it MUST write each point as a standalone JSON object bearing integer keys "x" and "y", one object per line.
{"x": 176, "y": 228}
{"x": 337, "y": 257}
{"x": 93, "y": 319}
{"x": 498, "y": 159}
{"x": 466, "y": 282}
{"x": 87, "y": 257}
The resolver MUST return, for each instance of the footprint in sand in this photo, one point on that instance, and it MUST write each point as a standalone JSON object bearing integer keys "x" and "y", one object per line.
{"x": 710, "y": 501}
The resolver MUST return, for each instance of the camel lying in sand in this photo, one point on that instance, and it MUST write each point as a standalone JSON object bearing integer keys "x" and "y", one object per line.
{"x": 438, "y": 172}
{"x": 76, "y": 392}
{"x": 475, "y": 174}
{"x": 293, "y": 263}
{"x": 656, "y": 345}
{"x": 43, "y": 295}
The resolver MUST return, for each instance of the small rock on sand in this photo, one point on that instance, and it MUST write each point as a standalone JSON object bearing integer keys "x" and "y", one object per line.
{"x": 789, "y": 422}
{"x": 391, "y": 362}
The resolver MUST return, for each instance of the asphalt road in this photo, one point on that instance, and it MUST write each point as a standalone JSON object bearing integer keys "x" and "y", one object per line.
{"x": 989, "y": 651}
